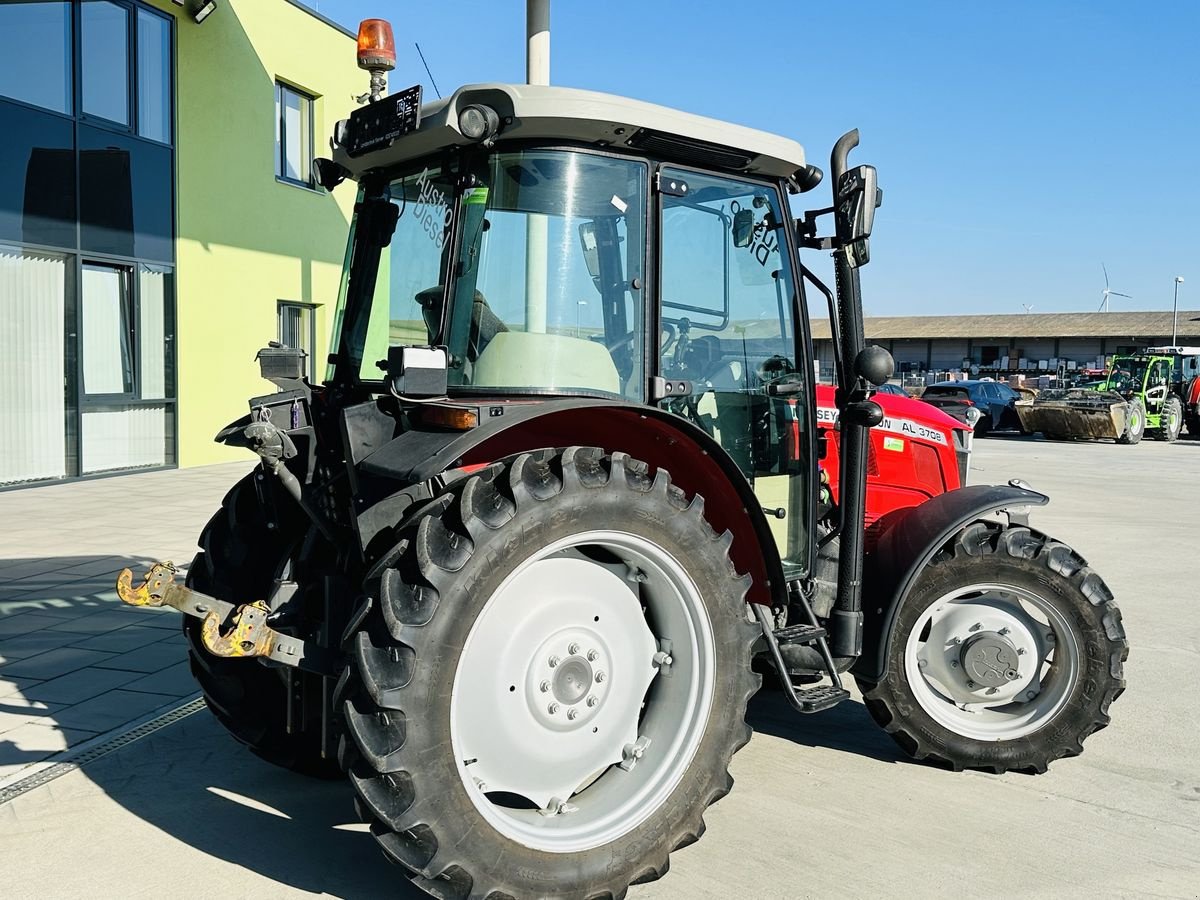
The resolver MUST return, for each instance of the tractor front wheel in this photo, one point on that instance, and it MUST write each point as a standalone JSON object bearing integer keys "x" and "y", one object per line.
{"x": 1135, "y": 423}
{"x": 550, "y": 680}
{"x": 1171, "y": 419}
{"x": 1006, "y": 654}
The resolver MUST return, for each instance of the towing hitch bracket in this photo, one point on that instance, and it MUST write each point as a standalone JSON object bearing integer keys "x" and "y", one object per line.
{"x": 248, "y": 636}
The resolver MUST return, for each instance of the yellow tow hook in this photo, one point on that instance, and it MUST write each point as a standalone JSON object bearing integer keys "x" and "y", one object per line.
{"x": 249, "y": 636}
{"x": 152, "y": 591}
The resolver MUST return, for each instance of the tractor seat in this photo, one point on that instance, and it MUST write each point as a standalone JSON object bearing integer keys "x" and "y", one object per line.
{"x": 519, "y": 359}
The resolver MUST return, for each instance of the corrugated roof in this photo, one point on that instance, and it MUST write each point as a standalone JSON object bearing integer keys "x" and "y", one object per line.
{"x": 1026, "y": 325}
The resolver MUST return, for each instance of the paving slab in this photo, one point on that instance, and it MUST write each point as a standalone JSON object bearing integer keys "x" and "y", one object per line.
{"x": 176, "y": 680}
{"x": 23, "y": 623}
{"x": 79, "y": 686}
{"x": 121, "y": 640}
{"x": 23, "y": 646}
{"x": 53, "y": 663}
{"x": 110, "y": 709}
{"x": 154, "y": 658}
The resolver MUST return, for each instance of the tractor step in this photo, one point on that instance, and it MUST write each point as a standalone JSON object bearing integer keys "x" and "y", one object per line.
{"x": 821, "y": 697}
{"x": 799, "y": 634}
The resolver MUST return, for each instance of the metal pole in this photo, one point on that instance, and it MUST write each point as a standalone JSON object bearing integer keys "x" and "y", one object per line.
{"x": 1175, "y": 311}
{"x": 537, "y": 235}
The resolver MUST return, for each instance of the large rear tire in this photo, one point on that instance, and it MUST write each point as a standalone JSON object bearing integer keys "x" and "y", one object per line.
{"x": 1006, "y": 654}
{"x": 239, "y": 560}
{"x": 505, "y": 678}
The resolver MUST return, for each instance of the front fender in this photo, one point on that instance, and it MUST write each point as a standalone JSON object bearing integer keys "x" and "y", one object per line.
{"x": 697, "y": 463}
{"x": 907, "y": 541}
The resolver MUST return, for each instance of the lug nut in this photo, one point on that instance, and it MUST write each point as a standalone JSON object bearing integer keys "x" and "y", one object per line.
{"x": 971, "y": 685}
{"x": 600, "y": 676}
{"x": 572, "y": 713}
{"x": 592, "y": 701}
{"x": 1050, "y": 636}
{"x": 1020, "y": 651}
{"x": 544, "y": 686}
{"x": 554, "y": 661}
{"x": 573, "y": 649}
{"x": 592, "y": 656}
{"x": 954, "y": 664}
{"x": 922, "y": 663}
{"x": 1029, "y": 695}
{"x": 552, "y": 708}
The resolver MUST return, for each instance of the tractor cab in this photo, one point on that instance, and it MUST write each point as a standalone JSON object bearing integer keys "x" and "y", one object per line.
{"x": 559, "y": 243}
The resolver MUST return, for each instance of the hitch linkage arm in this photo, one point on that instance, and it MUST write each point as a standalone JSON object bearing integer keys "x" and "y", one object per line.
{"x": 249, "y": 635}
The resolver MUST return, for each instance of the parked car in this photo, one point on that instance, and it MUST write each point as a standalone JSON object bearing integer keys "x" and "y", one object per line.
{"x": 889, "y": 388}
{"x": 984, "y": 405}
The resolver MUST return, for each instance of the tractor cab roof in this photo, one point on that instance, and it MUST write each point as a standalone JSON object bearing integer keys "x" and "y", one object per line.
{"x": 550, "y": 114}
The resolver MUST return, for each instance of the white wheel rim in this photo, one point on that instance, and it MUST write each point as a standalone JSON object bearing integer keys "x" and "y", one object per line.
{"x": 623, "y": 727}
{"x": 992, "y": 662}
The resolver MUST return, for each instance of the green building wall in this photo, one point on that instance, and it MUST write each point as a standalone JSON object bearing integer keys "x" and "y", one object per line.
{"x": 246, "y": 241}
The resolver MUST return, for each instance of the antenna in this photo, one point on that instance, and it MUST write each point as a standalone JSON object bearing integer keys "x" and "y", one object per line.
{"x": 427, "y": 72}
{"x": 1108, "y": 292}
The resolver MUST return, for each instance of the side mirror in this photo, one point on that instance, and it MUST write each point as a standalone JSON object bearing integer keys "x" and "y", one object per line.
{"x": 858, "y": 196}
{"x": 591, "y": 253}
{"x": 743, "y": 228}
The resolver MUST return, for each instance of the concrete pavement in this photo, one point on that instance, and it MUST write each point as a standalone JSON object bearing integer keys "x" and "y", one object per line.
{"x": 75, "y": 662}
{"x": 825, "y": 806}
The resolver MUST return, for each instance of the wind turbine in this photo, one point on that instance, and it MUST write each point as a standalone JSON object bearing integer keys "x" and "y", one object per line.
{"x": 1107, "y": 292}
{"x": 1028, "y": 307}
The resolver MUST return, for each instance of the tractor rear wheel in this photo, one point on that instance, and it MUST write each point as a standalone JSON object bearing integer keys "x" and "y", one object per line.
{"x": 1006, "y": 654}
{"x": 1170, "y": 419}
{"x": 239, "y": 561}
{"x": 1135, "y": 423}
{"x": 550, "y": 680}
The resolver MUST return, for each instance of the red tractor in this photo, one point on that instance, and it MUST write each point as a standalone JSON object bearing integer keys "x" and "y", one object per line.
{"x": 514, "y": 567}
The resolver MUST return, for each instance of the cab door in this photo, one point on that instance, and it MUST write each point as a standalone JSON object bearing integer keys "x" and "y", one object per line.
{"x": 1158, "y": 381}
{"x": 726, "y": 307}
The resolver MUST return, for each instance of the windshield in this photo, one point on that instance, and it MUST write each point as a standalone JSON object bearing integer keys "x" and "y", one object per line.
{"x": 546, "y": 293}
{"x": 1127, "y": 374}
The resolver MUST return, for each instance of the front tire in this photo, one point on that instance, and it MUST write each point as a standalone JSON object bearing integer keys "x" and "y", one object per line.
{"x": 1170, "y": 420}
{"x": 505, "y": 680}
{"x": 1135, "y": 423}
{"x": 1006, "y": 654}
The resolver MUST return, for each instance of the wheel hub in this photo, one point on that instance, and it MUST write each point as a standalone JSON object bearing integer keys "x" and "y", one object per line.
{"x": 989, "y": 659}
{"x": 567, "y": 680}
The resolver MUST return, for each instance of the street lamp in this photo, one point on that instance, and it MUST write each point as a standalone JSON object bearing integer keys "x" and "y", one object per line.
{"x": 1175, "y": 313}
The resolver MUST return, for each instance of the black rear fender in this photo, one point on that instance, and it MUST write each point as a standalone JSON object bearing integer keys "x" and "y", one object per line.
{"x": 696, "y": 462}
{"x": 908, "y": 540}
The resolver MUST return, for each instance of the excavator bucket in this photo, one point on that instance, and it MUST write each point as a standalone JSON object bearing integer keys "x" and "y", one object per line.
{"x": 1075, "y": 413}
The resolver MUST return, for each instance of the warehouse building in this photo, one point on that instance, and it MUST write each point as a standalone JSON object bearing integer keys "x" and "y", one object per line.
{"x": 159, "y": 221}
{"x": 999, "y": 344}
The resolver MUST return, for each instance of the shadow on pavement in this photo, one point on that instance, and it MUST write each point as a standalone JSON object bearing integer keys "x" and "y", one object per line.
{"x": 195, "y": 783}
{"x": 847, "y": 727}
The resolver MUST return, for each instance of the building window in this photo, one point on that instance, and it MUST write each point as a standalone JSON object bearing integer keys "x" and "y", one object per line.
{"x": 297, "y": 328}
{"x": 153, "y": 76}
{"x": 129, "y": 88}
{"x": 35, "y": 54}
{"x": 107, "y": 329}
{"x": 293, "y": 135}
{"x": 104, "y": 66}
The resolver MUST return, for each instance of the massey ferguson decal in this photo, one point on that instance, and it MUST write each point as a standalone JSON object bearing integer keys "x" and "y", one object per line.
{"x": 828, "y": 415}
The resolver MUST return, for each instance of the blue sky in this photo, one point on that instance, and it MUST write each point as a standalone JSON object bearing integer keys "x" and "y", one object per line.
{"x": 1019, "y": 144}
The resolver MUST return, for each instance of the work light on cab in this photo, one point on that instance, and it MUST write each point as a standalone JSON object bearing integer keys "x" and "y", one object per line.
{"x": 478, "y": 122}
